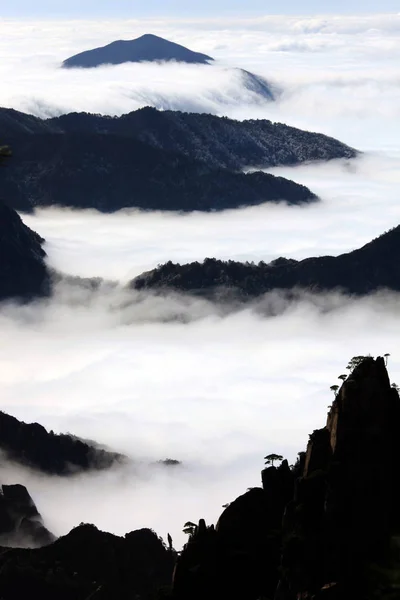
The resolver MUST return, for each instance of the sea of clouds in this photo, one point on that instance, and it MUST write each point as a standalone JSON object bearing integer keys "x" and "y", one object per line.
{"x": 215, "y": 386}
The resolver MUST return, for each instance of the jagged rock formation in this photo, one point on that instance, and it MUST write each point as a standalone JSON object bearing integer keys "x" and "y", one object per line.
{"x": 88, "y": 563}
{"x": 20, "y": 522}
{"x": 372, "y": 267}
{"x": 154, "y": 160}
{"x": 147, "y": 47}
{"x": 33, "y": 446}
{"x": 23, "y": 272}
{"x": 341, "y": 529}
{"x": 239, "y": 558}
{"x": 338, "y": 538}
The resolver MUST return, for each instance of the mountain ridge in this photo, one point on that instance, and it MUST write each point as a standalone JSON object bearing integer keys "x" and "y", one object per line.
{"x": 372, "y": 267}
{"x": 155, "y": 160}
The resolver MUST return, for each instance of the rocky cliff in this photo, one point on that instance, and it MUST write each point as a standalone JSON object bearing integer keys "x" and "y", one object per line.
{"x": 326, "y": 529}
{"x": 21, "y": 525}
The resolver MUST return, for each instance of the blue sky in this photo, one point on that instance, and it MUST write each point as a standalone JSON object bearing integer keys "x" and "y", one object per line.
{"x": 185, "y": 8}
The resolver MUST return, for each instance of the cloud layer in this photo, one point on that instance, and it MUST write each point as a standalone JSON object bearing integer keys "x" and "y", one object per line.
{"x": 335, "y": 71}
{"x": 223, "y": 386}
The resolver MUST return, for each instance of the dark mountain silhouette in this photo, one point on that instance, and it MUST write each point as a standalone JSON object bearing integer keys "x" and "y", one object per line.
{"x": 88, "y": 563}
{"x": 147, "y": 47}
{"x": 217, "y": 141}
{"x": 109, "y": 172}
{"x": 33, "y": 446}
{"x": 325, "y": 528}
{"x": 152, "y": 48}
{"x": 154, "y": 160}
{"x": 372, "y": 267}
{"x": 23, "y": 272}
{"x": 21, "y": 525}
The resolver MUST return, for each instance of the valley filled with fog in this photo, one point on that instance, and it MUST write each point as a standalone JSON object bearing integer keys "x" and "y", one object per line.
{"x": 214, "y": 386}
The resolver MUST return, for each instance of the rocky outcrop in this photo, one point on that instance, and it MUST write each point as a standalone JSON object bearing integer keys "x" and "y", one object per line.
{"x": 23, "y": 272}
{"x": 147, "y": 47}
{"x": 240, "y": 558}
{"x": 20, "y": 522}
{"x": 88, "y": 563}
{"x": 335, "y": 536}
{"x": 367, "y": 269}
{"x": 33, "y": 446}
{"x": 155, "y": 160}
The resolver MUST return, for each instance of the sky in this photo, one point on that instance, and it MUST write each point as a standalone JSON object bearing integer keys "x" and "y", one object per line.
{"x": 182, "y": 8}
{"x": 225, "y": 386}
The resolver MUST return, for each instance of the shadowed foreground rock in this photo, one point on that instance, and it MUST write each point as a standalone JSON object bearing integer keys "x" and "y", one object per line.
{"x": 88, "y": 563}
{"x": 337, "y": 536}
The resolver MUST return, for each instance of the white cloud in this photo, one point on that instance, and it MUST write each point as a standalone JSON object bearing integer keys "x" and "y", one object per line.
{"x": 335, "y": 69}
{"x": 122, "y": 245}
{"x": 227, "y": 386}
{"x": 218, "y": 393}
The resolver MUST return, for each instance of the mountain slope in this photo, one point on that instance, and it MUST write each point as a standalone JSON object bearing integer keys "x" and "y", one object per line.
{"x": 23, "y": 272}
{"x": 111, "y": 172}
{"x": 33, "y": 446}
{"x": 218, "y": 141}
{"x": 148, "y": 47}
{"x": 369, "y": 268}
{"x": 154, "y": 160}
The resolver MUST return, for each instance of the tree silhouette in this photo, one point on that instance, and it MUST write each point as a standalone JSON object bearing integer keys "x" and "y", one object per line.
{"x": 271, "y": 458}
{"x": 342, "y": 377}
{"x": 386, "y": 358}
{"x": 334, "y": 389}
{"x": 354, "y": 362}
{"x": 396, "y": 387}
{"x": 189, "y": 528}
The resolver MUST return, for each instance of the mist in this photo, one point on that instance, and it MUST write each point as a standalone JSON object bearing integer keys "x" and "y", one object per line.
{"x": 359, "y": 201}
{"x": 216, "y": 386}
{"x": 334, "y": 71}
{"x": 218, "y": 393}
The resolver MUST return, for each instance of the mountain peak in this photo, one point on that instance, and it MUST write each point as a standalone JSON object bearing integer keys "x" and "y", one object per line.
{"x": 146, "y": 48}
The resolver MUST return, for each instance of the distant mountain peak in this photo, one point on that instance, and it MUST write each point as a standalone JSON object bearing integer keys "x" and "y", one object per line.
{"x": 146, "y": 48}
